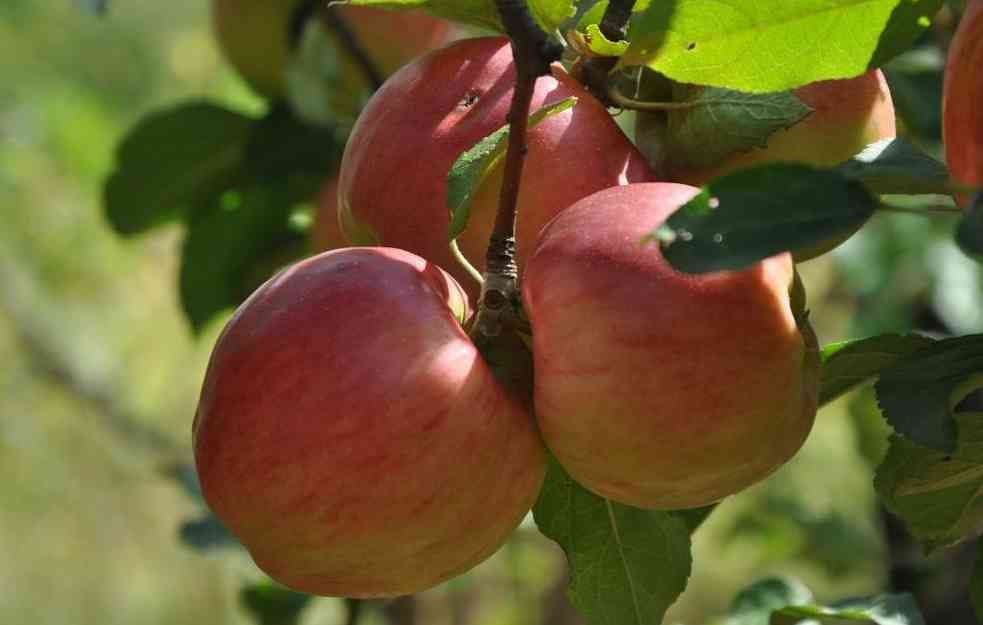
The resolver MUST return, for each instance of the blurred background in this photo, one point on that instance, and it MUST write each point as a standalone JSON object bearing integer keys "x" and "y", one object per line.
{"x": 100, "y": 373}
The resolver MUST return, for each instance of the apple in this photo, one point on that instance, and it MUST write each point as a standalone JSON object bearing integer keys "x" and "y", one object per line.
{"x": 350, "y": 434}
{"x": 325, "y": 230}
{"x": 656, "y": 388}
{"x": 254, "y": 36}
{"x": 962, "y": 101}
{"x": 393, "y": 180}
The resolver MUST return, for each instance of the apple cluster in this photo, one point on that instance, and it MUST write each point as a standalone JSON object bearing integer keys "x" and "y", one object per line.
{"x": 353, "y": 437}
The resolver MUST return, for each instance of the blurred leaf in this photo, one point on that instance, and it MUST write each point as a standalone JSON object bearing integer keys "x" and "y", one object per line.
{"x": 185, "y": 475}
{"x": 969, "y": 232}
{"x": 917, "y": 394}
{"x": 226, "y": 242}
{"x": 206, "y": 533}
{"x": 280, "y": 145}
{"x": 826, "y": 38}
{"x": 473, "y": 165}
{"x": 786, "y": 597}
{"x": 850, "y": 363}
{"x": 96, "y": 7}
{"x": 915, "y": 80}
{"x": 481, "y": 13}
{"x": 935, "y": 493}
{"x": 272, "y": 604}
{"x": 896, "y": 166}
{"x": 717, "y": 123}
{"x": 976, "y": 583}
{"x": 627, "y": 565}
{"x": 172, "y": 160}
{"x": 749, "y": 215}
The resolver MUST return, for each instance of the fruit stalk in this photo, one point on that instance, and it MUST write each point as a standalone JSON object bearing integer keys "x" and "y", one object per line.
{"x": 533, "y": 53}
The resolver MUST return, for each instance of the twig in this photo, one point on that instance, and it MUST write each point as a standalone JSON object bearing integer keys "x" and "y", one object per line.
{"x": 334, "y": 20}
{"x": 614, "y": 26}
{"x": 533, "y": 53}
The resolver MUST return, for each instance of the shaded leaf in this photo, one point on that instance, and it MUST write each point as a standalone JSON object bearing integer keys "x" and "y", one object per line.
{"x": 755, "y": 213}
{"x": 206, "y": 533}
{"x": 627, "y": 565}
{"x": 271, "y": 604}
{"x": 969, "y": 232}
{"x": 850, "y": 363}
{"x": 896, "y": 166}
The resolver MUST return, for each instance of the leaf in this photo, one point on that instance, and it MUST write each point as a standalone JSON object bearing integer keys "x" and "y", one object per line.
{"x": 850, "y": 363}
{"x": 757, "y": 604}
{"x": 473, "y": 166}
{"x": 206, "y": 533}
{"x": 185, "y": 476}
{"x": 969, "y": 232}
{"x": 936, "y": 494}
{"x": 976, "y": 583}
{"x": 755, "y": 213}
{"x": 717, "y": 123}
{"x": 226, "y": 242}
{"x": 918, "y": 394}
{"x": 96, "y": 7}
{"x": 772, "y": 45}
{"x": 627, "y": 565}
{"x": 172, "y": 160}
{"x": 272, "y": 604}
{"x": 896, "y": 166}
{"x": 549, "y": 14}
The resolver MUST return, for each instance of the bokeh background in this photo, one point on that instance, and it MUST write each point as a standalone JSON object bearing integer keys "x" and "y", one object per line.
{"x": 99, "y": 371}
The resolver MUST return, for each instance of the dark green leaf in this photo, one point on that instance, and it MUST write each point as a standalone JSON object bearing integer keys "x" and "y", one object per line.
{"x": 915, "y": 79}
{"x": 937, "y": 494}
{"x": 896, "y": 166}
{"x": 271, "y": 604}
{"x": 225, "y": 245}
{"x": 918, "y": 394}
{"x": 976, "y": 583}
{"x": 755, "y": 605}
{"x": 171, "y": 161}
{"x": 206, "y": 533}
{"x": 474, "y": 164}
{"x": 720, "y": 122}
{"x": 627, "y": 565}
{"x": 850, "y": 363}
{"x": 908, "y": 22}
{"x": 749, "y": 215}
{"x": 280, "y": 145}
{"x": 969, "y": 232}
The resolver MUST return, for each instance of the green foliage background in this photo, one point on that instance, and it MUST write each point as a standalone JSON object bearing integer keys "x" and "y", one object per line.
{"x": 101, "y": 371}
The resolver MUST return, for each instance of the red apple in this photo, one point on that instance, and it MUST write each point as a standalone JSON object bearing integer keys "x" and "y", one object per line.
{"x": 656, "y": 388}
{"x": 962, "y": 101}
{"x": 253, "y": 35}
{"x": 352, "y": 437}
{"x": 326, "y": 231}
{"x": 393, "y": 181}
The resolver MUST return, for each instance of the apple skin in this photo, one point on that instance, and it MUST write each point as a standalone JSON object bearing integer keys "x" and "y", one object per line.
{"x": 656, "y": 388}
{"x": 253, "y": 35}
{"x": 352, "y": 437}
{"x": 325, "y": 230}
{"x": 962, "y": 101}
{"x": 393, "y": 180}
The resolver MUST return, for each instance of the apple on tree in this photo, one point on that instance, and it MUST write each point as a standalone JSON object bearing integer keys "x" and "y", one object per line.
{"x": 656, "y": 388}
{"x": 352, "y": 437}
{"x": 962, "y": 101}
{"x": 254, "y": 35}
{"x": 393, "y": 180}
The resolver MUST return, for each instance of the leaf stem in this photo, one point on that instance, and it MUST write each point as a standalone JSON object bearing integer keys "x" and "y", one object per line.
{"x": 620, "y": 100}
{"x": 594, "y": 71}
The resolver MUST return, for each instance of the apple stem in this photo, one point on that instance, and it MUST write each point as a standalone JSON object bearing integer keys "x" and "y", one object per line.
{"x": 594, "y": 71}
{"x": 533, "y": 52}
{"x": 335, "y": 21}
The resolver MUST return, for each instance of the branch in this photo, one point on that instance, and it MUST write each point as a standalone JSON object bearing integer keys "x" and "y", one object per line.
{"x": 533, "y": 53}
{"x": 332, "y": 18}
{"x": 595, "y": 70}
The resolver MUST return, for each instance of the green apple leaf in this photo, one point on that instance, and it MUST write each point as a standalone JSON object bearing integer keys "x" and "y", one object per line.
{"x": 475, "y": 163}
{"x": 848, "y": 364}
{"x": 172, "y": 160}
{"x": 226, "y": 242}
{"x": 272, "y": 604}
{"x": 936, "y": 493}
{"x": 627, "y": 565}
{"x": 772, "y": 45}
{"x": 920, "y": 393}
{"x": 969, "y": 232}
{"x": 790, "y": 598}
{"x": 550, "y": 14}
{"x": 976, "y": 583}
{"x": 707, "y": 124}
{"x": 206, "y": 534}
{"x": 749, "y": 215}
{"x": 896, "y": 166}
{"x": 915, "y": 79}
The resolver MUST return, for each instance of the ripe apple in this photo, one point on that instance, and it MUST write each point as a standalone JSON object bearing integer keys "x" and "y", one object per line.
{"x": 656, "y": 388}
{"x": 962, "y": 101}
{"x": 254, "y": 36}
{"x": 393, "y": 180}
{"x": 350, "y": 434}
